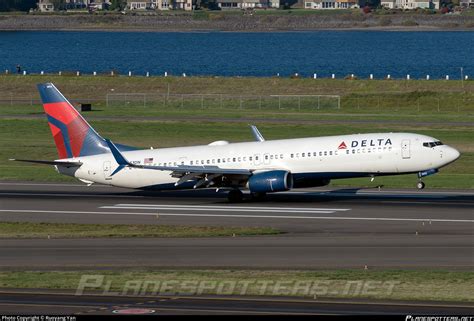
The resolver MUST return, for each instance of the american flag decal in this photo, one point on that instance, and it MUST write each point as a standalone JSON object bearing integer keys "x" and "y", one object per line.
{"x": 148, "y": 161}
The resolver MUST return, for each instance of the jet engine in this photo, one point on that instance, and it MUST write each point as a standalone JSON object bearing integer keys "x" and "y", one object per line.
{"x": 271, "y": 181}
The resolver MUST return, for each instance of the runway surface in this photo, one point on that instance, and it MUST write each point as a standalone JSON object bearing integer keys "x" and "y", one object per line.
{"x": 345, "y": 228}
{"x": 34, "y": 302}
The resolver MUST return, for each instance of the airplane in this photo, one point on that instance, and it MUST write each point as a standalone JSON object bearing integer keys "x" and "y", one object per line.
{"x": 261, "y": 166}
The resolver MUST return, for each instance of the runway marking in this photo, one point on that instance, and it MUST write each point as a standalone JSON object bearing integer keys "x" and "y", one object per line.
{"x": 250, "y": 216}
{"x": 226, "y": 208}
{"x": 237, "y": 207}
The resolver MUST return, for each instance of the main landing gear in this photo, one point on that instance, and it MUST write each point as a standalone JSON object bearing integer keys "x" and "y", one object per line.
{"x": 235, "y": 196}
{"x": 260, "y": 196}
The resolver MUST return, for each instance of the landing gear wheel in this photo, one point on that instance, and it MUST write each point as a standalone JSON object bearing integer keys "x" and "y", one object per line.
{"x": 235, "y": 196}
{"x": 258, "y": 196}
{"x": 420, "y": 185}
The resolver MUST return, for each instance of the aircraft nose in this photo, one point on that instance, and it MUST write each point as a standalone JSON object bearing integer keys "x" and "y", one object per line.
{"x": 452, "y": 154}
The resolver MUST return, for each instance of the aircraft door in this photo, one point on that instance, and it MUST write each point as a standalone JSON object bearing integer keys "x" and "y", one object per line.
{"x": 257, "y": 159}
{"x": 406, "y": 149}
{"x": 107, "y": 171}
{"x": 266, "y": 159}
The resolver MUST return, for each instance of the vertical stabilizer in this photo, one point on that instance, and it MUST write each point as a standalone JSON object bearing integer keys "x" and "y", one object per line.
{"x": 72, "y": 134}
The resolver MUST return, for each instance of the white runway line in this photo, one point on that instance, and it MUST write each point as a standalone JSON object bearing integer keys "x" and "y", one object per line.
{"x": 213, "y": 209}
{"x": 249, "y": 216}
{"x": 226, "y": 208}
{"x": 247, "y": 207}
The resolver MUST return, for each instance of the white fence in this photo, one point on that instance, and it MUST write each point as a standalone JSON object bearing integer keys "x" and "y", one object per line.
{"x": 208, "y": 101}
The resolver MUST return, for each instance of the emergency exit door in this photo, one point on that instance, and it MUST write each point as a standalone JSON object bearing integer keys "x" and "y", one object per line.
{"x": 405, "y": 148}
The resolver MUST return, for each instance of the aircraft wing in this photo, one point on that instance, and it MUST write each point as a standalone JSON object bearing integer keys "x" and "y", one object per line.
{"x": 184, "y": 172}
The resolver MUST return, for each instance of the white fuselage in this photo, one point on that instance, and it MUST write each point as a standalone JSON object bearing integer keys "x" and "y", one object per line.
{"x": 327, "y": 157}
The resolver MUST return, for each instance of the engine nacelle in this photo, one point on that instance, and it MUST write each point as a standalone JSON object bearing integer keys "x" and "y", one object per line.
{"x": 271, "y": 181}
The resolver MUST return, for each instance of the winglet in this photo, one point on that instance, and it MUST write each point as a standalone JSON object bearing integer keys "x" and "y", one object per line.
{"x": 119, "y": 158}
{"x": 256, "y": 134}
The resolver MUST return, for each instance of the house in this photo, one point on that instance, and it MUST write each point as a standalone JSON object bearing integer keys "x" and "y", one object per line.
{"x": 330, "y": 4}
{"x": 45, "y": 6}
{"x": 97, "y": 4}
{"x": 389, "y": 4}
{"x": 139, "y": 4}
{"x": 186, "y": 5}
{"x": 237, "y": 4}
{"x": 269, "y": 4}
{"x": 410, "y": 4}
{"x": 160, "y": 4}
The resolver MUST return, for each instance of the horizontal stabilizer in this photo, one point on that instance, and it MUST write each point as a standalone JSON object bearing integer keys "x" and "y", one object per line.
{"x": 45, "y": 162}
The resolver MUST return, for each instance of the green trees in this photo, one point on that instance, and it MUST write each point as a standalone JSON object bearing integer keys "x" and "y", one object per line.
{"x": 17, "y": 5}
{"x": 118, "y": 4}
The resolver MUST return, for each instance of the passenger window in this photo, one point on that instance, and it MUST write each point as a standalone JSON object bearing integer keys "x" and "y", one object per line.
{"x": 302, "y": 154}
{"x": 330, "y": 153}
{"x": 320, "y": 153}
{"x": 325, "y": 153}
{"x": 347, "y": 151}
{"x": 281, "y": 156}
{"x": 234, "y": 159}
{"x": 218, "y": 160}
{"x": 292, "y": 155}
{"x": 250, "y": 158}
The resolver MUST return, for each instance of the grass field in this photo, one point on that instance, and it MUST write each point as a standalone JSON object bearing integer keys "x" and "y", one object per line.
{"x": 356, "y": 284}
{"x": 168, "y": 125}
{"x": 15, "y": 230}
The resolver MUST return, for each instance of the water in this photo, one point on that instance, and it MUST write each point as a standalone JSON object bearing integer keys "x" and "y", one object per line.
{"x": 243, "y": 54}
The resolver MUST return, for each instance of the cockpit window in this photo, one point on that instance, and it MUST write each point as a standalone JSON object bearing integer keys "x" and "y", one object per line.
{"x": 432, "y": 144}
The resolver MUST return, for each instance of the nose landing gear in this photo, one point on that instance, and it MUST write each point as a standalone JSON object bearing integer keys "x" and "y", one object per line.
{"x": 420, "y": 184}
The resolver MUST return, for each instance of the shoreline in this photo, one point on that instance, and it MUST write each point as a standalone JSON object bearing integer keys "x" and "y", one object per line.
{"x": 238, "y": 23}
